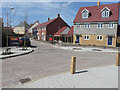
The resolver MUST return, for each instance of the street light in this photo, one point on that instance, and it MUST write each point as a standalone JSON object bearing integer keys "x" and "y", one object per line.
{"x": 10, "y": 24}
{"x": 10, "y": 15}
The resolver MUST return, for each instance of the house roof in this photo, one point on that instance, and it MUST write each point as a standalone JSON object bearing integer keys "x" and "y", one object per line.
{"x": 9, "y": 31}
{"x": 95, "y": 13}
{"x": 61, "y": 30}
{"x": 65, "y": 31}
{"x": 70, "y": 31}
{"x": 45, "y": 23}
{"x": 22, "y": 24}
{"x": 34, "y": 23}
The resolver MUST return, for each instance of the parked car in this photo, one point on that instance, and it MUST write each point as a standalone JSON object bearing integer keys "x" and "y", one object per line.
{"x": 25, "y": 41}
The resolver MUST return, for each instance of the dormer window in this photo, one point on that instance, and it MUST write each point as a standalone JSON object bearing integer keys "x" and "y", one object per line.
{"x": 85, "y": 14}
{"x": 105, "y": 12}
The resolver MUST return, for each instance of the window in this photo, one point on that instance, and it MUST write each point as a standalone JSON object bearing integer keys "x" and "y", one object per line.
{"x": 86, "y": 37}
{"x": 100, "y": 37}
{"x": 85, "y": 13}
{"x": 105, "y": 12}
{"x": 78, "y": 26}
{"x": 100, "y": 25}
{"x": 111, "y": 25}
{"x": 87, "y": 25}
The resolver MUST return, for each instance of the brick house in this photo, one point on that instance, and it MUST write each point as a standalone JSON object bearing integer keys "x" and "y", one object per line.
{"x": 31, "y": 27}
{"x": 44, "y": 30}
{"x": 97, "y": 25}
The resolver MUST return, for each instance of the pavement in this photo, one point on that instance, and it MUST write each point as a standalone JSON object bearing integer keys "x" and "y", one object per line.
{"x": 87, "y": 49}
{"x": 17, "y": 51}
{"x": 98, "y": 77}
{"x": 84, "y": 48}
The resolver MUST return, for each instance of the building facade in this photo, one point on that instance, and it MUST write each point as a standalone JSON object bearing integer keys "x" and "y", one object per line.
{"x": 97, "y": 25}
{"x": 32, "y": 26}
{"x": 47, "y": 29}
{"x": 20, "y": 28}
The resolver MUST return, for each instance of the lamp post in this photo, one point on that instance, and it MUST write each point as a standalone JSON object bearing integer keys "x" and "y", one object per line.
{"x": 10, "y": 15}
{"x": 7, "y": 24}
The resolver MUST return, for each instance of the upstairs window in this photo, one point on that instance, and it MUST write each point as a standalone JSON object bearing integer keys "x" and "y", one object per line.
{"x": 105, "y": 12}
{"x": 78, "y": 26}
{"x": 85, "y": 14}
{"x": 87, "y": 25}
{"x": 100, "y": 25}
{"x": 111, "y": 25}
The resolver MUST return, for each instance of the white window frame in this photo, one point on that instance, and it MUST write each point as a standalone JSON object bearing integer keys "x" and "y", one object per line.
{"x": 100, "y": 25}
{"x": 86, "y": 38}
{"x": 87, "y": 25}
{"x": 105, "y": 14}
{"x": 83, "y": 16}
{"x": 85, "y": 13}
{"x": 110, "y": 25}
{"x": 99, "y": 37}
{"x": 78, "y": 26}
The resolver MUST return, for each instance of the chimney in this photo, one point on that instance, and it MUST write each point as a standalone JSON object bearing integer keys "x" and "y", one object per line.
{"x": 58, "y": 15}
{"x": 98, "y": 3}
{"x": 48, "y": 19}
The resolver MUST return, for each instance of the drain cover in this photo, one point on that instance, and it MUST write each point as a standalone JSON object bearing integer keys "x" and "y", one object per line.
{"x": 77, "y": 49}
{"x": 96, "y": 50}
{"x": 25, "y": 80}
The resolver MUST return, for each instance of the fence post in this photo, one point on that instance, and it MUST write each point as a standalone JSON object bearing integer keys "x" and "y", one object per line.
{"x": 73, "y": 65}
{"x": 117, "y": 59}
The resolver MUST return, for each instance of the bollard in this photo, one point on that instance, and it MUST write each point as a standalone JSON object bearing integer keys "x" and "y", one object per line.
{"x": 73, "y": 65}
{"x": 117, "y": 59}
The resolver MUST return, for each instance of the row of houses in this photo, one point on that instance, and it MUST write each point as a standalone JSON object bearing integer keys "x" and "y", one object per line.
{"x": 94, "y": 25}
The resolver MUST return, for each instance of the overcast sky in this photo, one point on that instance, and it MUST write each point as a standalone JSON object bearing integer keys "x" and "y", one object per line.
{"x": 42, "y": 10}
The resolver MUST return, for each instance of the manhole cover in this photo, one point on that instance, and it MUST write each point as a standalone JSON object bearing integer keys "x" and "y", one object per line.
{"x": 25, "y": 80}
{"x": 96, "y": 50}
{"x": 77, "y": 49}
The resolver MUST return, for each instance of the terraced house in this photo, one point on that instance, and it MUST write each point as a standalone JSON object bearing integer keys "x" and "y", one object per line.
{"x": 97, "y": 25}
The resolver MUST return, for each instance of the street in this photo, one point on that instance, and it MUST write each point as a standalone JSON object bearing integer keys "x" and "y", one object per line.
{"x": 47, "y": 60}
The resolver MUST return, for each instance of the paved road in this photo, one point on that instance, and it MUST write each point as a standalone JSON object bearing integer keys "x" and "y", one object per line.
{"x": 47, "y": 60}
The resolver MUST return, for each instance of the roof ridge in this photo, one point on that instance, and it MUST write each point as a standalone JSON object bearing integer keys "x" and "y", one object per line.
{"x": 99, "y": 6}
{"x": 46, "y": 23}
{"x": 49, "y": 20}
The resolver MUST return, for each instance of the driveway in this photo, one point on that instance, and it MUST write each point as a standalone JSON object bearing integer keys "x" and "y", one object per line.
{"x": 47, "y": 60}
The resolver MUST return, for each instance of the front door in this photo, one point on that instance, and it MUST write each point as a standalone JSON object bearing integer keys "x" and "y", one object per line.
{"x": 109, "y": 40}
{"x": 77, "y": 38}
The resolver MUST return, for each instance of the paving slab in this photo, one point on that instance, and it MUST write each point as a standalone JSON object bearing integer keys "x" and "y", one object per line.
{"x": 98, "y": 77}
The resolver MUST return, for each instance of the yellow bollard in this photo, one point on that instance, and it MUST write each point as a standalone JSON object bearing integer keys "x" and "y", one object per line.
{"x": 117, "y": 59}
{"x": 73, "y": 65}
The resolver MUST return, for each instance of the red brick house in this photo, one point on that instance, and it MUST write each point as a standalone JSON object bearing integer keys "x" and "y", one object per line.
{"x": 44, "y": 30}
